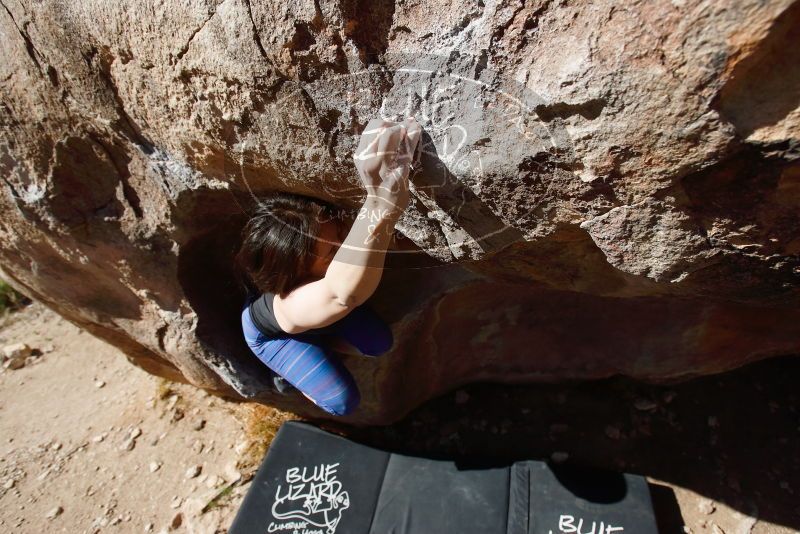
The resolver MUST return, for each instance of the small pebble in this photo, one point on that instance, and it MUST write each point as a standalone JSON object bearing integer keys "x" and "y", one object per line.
{"x": 242, "y": 446}
{"x": 156, "y": 439}
{"x": 55, "y": 512}
{"x": 613, "y": 432}
{"x": 99, "y": 383}
{"x": 232, "y": 474}
{"x": 193, "y": 471}
{"x": 154, "y": 466}
{"x": 17, "y": 350}
{"x": 645, "y": 405}
{"x": 706, "y": 506}
{"x": 13, "y": 364}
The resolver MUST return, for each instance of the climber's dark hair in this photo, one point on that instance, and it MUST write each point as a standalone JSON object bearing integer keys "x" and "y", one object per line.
{"x": 277, "y": 243}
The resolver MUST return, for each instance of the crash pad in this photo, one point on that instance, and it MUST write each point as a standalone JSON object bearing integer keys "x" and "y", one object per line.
{"x": 315, "y": 482}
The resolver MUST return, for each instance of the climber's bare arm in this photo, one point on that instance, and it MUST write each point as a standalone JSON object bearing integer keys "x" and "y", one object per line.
{"x": 317, "y": 304}
{"x": 382, "y": 159}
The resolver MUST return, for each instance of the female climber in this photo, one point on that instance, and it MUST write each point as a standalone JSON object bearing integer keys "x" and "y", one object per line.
{"x": 307, "y": 286}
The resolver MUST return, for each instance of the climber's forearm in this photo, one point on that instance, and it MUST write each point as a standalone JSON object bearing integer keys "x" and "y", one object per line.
{"x": 356, "y": 269}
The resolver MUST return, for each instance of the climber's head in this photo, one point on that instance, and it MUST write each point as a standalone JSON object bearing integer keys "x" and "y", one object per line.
{"x": 290, "y": 239}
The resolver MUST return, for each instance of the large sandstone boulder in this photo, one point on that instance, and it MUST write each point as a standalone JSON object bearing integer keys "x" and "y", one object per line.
{"x": 606, "y": 187}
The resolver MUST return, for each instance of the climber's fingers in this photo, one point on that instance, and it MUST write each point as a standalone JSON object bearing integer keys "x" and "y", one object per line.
{"x": 385, "y": 153}
{"x": 378, "y": 151}
{"x": 413, "y": 135}
{"x": 374, "y": 134}
{"x": 409, "y": 143}
{"x": 389, "y": 142}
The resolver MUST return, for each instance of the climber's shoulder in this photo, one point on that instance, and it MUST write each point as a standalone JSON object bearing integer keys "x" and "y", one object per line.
{"x": 310, "y": 305}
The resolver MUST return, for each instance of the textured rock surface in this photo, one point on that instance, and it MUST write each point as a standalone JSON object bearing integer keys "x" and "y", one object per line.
{"x": 605, "y": 188}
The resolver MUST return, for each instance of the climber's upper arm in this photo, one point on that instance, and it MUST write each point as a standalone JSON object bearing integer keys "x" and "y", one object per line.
{"x": 312, "y": 305}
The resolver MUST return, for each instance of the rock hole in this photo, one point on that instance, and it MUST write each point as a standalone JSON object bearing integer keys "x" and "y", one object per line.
{"x": 206, "y": 275}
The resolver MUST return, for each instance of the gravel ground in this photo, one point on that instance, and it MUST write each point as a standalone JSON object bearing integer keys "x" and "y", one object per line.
{"x": 89, "y": 445}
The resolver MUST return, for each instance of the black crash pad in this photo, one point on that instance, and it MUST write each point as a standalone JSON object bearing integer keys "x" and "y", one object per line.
{"x": 314, "y": 482}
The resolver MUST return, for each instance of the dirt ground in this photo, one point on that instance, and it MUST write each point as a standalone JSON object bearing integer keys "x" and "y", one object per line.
{"x": 90, "y": 438}
{"x": 90, "y": 443}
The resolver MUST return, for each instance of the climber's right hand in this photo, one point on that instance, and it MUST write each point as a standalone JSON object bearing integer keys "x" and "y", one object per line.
{"x": 384, "y": 156}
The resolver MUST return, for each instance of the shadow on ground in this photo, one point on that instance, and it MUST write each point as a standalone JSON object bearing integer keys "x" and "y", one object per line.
{"x": 731, "y": 437}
